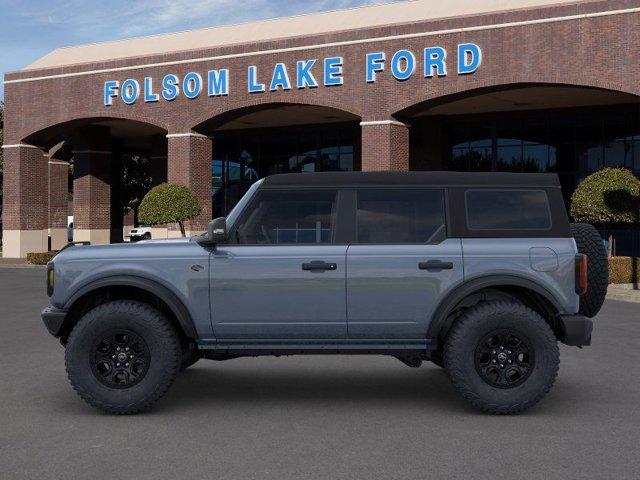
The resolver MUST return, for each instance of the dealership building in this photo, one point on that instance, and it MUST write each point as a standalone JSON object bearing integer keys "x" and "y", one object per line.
{"x": 487, "y": 85}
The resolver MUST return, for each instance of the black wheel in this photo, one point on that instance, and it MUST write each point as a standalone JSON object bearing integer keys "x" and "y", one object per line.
{"x": 502, "y": 357}
{"x": 590, "y": 243}
{"x": 146, "y": 236}
{"x": 122, "y": 356}
{"x": 189, "y": 357}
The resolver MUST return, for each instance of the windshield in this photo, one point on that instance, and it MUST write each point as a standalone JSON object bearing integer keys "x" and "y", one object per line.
{"x": 233, "y": 215}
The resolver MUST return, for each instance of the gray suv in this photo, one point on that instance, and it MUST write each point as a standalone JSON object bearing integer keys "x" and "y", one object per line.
{"x": 479, "y": 273}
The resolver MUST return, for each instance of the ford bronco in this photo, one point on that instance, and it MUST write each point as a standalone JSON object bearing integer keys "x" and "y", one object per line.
{"x": 479, "y": 273}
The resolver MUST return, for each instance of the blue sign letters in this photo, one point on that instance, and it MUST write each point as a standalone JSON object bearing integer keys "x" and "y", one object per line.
{"x": 431, "y": 62}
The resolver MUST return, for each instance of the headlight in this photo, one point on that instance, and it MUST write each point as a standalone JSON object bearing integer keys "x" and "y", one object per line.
{"x": 51, "y": 278}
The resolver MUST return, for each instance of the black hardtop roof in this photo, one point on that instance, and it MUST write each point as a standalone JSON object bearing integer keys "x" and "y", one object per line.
{"x": 482, "y": 179}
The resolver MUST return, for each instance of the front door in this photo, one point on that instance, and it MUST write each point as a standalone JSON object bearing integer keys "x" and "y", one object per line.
{"x": 283, "y": 277}
{"x": 401, "y": 264}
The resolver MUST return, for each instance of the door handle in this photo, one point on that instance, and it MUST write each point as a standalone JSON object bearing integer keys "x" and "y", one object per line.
{"x": 435, "y": 265}
{"x": 319, "y": 266}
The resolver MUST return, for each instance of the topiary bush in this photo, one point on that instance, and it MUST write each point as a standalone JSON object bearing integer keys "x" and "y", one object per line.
{"x": 169, "y": 203}
{"x": 609, "y": 195}
{"x": 624, "y": 270}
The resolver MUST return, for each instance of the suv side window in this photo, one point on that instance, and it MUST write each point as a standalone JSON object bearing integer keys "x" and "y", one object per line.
{"x": 395, "y": 215}
{"x": 281, "y": 217}
{"x": 508, "y": 209}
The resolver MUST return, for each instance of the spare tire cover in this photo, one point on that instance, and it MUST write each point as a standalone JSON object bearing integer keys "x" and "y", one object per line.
{"x": 590, "y": 243}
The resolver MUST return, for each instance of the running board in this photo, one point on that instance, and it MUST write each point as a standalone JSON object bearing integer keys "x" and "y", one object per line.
{"x": 313, "y": 347}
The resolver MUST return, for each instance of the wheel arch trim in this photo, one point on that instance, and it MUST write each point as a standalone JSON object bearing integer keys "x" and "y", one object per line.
{"x": 470, "y": 287}
{"x": 174, "y": 303}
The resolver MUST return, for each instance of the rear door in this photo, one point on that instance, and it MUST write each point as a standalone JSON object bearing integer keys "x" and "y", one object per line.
{"x": 401, "y": 263}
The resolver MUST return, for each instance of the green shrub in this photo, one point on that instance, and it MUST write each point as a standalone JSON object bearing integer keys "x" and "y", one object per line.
{"x": 621, "y": 270}
{"x": 609, "y": 195}
{"x": 169, "y": 203}
{"x": 40, "y": 258}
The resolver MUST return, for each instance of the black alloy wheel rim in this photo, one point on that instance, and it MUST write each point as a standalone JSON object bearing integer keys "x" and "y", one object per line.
{"x": 504, "y": 358}
{"x": 120, "y": 359}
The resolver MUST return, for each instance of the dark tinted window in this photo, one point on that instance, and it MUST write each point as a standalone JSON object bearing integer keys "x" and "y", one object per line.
{"x": 508, "y": 210}
{"x": 285, "y": 217}
{"x": 400, "y": 216}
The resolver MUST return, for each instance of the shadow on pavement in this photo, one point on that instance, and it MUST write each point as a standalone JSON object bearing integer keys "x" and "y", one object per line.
{"x": 216, "y": 384}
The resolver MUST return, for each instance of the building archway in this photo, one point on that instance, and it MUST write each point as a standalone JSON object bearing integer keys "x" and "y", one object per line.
{"x": 256, "y": 141}
{"x": 563, "y": 129}
{"x": 98, "y": 170}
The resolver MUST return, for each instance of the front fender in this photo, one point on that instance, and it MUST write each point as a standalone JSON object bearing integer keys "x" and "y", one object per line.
{"x": 169, "y": 297}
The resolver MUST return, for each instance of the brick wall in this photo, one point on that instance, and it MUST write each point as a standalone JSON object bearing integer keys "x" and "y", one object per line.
{"x": 589, "y": 52}
{"x": 25, "y": 194}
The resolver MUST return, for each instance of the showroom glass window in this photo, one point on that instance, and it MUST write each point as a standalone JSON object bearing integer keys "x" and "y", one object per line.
{"x": 245, "y": 156}
{"x": 389, "y": 215}
{"x": 286, "y": 217}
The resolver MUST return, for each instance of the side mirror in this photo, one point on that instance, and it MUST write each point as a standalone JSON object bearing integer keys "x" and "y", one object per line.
{"x": 217, "y": 230}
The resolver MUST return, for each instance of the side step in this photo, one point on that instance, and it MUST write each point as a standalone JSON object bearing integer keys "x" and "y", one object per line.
{"x": 315, "y": 347}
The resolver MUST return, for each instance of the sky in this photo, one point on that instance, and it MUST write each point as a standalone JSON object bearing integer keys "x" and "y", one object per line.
{"x": 30, "y": 29}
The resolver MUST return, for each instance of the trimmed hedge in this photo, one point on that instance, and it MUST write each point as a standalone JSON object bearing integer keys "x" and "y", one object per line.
{"x": 621, "y": 270}
{"x": 609, "y": 195}
{"x": 168, "y": 203}
{"x": 40, "y": 258}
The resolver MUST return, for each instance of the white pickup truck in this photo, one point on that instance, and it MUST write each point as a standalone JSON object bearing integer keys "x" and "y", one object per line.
{"x": 140, "y": 233}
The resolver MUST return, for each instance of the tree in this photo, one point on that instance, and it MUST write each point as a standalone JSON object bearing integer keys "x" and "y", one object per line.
{"x": 169, "y": 203}
{"x": 136, "y": 182}
{"x": 610, "y": 195}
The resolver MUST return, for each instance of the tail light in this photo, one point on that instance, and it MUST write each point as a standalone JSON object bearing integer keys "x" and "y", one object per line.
{"x": 51, "y": 278}
{"x": 582, "y": 267}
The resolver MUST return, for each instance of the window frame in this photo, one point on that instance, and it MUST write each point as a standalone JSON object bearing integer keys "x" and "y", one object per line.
{"x": 517, "y": 189}
{"x": 559, "y": 217}
{"x": 445, "y": 212}
{"x": 251, "y": 205}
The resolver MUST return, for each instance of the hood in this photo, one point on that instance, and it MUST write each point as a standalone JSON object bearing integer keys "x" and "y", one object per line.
{"x": 120, "y": 251}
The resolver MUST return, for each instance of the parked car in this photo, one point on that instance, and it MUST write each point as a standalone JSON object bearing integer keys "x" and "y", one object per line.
{"x": 140, "y": 233}
{"x": 479, "y": 273}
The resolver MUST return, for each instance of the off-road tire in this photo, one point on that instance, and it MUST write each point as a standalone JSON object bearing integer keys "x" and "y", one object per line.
{"x": 148, "y": 324}
{"x": 590, "y": 243}
{"x": 469, "y": 331}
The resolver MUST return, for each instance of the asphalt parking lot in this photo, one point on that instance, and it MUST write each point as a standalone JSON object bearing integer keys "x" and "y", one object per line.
{"x": 314, "y": 417}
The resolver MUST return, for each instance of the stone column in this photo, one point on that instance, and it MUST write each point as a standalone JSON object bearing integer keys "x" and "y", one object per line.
{"x": 385, "y": 146}
{"x": 58, "y": 190}
{"x": 25, "y": 200}
{"x": 189, "y": 164}
{"x": 92, "y": 186}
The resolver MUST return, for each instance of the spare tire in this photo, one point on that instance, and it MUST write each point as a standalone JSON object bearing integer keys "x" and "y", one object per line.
{"x": 590, "y": 244}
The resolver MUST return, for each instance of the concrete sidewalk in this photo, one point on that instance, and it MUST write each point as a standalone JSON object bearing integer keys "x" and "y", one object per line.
{"x": 624, "y": 292}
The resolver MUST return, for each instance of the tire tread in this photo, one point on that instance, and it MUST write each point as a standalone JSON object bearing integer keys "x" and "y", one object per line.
{"x": 457, "y": 337}
{"x": 164, "y": 328}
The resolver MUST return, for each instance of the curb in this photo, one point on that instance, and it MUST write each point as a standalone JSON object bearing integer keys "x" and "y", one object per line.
{"x": 17, "y": 265}
{"x": 624, "y": 296}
